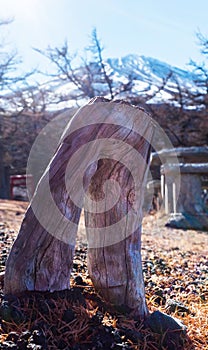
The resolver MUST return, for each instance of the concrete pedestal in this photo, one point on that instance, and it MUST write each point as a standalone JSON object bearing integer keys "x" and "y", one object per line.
{"x": 182, "y": 188}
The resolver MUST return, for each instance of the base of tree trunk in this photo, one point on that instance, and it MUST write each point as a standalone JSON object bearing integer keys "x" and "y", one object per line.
{"x": 101, "y": 165}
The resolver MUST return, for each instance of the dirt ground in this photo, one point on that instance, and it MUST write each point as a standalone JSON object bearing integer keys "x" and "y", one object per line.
{"x": 154, "y": 230}
{"x": 174, "y": 264}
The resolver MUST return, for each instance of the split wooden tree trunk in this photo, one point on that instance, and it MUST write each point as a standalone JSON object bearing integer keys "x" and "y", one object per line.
{"x": 101, "y": 165}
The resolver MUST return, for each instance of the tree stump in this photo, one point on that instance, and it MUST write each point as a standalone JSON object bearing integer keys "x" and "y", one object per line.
{"x": 101, "y": 164}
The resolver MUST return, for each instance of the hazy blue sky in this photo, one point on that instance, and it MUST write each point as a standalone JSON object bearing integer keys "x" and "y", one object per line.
{"x": 158, "y": 28}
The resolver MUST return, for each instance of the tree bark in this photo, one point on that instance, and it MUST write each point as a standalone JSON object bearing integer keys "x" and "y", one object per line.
{"x": 101, "y": 164}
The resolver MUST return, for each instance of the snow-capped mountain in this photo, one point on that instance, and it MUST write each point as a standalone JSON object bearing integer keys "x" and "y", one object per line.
{"x": 130, "y": 75}
{"x": 148, "y": 69}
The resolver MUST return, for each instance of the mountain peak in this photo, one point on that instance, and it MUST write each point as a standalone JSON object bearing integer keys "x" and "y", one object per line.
{"x": 130, "y": 75}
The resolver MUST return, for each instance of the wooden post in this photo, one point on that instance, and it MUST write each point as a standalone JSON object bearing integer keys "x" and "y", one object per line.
{"x": 101, "y": 163}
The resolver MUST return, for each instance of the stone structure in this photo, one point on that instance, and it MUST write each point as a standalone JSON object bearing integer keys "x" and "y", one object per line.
{"x": 182, "y": 186}
{"x": 183, "y": 193}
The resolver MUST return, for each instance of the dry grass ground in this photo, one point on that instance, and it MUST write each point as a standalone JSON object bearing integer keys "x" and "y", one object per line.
{"x": 175, "y": 271}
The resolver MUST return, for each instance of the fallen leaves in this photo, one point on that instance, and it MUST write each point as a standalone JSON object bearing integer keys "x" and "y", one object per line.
{"x": 175, "y": 273}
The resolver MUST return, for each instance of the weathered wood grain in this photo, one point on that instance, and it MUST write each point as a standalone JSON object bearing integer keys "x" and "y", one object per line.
{"x": 101, "y": 164}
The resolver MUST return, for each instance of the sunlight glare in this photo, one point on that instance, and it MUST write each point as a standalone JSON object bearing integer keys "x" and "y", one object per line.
{"x": 21, "y": 9}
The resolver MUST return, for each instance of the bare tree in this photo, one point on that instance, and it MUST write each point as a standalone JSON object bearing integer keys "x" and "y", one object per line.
{"x": 200, "y": 95}
{"x": 34, "y": 99}
{"x": 96, "y": 48}
{"x": 67, "y": 71}
{"x": 11, "y": 82}
{"x": 88, "y": 73}
{"x": 203, "y": 42}
{"x": 8, "y": 61}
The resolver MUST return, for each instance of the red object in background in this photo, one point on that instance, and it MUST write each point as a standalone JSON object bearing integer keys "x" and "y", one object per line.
{"x": 20, "y": 185}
